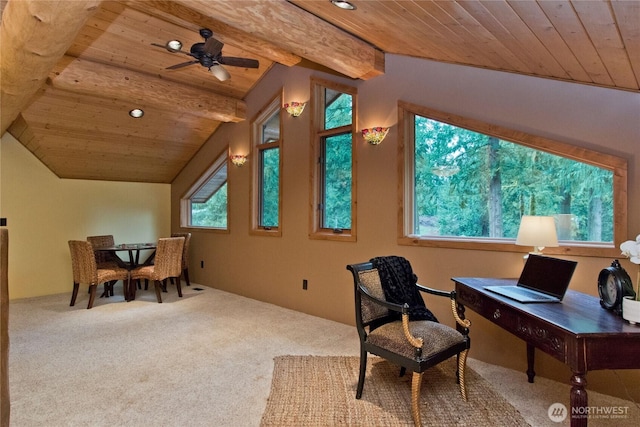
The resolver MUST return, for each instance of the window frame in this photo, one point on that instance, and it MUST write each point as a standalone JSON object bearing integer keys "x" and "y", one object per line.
{"x": 318, "y": 134}
{"x": 275, "y": 104}
{"x": 185, "y": 201}
{"x": 615, "y": 164}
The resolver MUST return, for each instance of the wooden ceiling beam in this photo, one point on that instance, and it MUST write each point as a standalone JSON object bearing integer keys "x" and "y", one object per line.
{"x": 34, "y": 35}
{"x": 105, "y": 81}
{"x": 292, "y": 28}
{"x": 194, "y": 20}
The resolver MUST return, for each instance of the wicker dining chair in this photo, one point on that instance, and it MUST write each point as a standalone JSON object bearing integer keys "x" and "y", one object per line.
{"x": 167, "y": 264}
{"x": 106, "y": 259}
{"x": 185, "y": 255}
{"x": 185, "y": 263}
{"x": 85, "y": 271}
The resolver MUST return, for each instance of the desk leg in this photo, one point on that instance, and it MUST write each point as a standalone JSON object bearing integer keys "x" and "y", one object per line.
{"x": 531, "y": 354}
{"x": 578, "y": 399}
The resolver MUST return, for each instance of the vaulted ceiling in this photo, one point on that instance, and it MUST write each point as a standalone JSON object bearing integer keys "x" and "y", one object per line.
{"x": 72, "y": 70}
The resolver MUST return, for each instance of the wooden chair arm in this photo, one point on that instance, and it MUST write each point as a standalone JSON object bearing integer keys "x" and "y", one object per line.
{"x": 465, "y": 323}
{"x": 416, "y": 342}
{"x": 436, "y": 292}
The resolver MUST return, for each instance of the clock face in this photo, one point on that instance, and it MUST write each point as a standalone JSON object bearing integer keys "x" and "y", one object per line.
{"x": 611, "y": 290}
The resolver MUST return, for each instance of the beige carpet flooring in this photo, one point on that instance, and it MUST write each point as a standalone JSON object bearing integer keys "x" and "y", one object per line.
{"x": 205, "y": 359}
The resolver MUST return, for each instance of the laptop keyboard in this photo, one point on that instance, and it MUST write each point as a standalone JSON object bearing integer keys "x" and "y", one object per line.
{"x": 521, "y": 294}
{"x": 530, "y": 294}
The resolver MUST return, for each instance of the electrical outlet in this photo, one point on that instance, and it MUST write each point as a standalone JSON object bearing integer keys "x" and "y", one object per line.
{"x": 304, "y": 284}
{"x": 201, "y": 264}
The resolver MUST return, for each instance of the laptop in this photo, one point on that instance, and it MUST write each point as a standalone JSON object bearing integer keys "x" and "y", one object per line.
{"x": 543, "y": 279}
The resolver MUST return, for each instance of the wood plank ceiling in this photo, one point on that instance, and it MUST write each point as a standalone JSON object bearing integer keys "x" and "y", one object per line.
{"x": 69, "y": 102}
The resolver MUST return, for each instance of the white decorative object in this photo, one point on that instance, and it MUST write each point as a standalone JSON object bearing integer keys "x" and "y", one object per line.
{"x": 631, "y": 310}
{"x": 631, "y": 307}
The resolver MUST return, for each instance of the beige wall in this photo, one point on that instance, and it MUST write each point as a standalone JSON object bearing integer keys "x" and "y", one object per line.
{"x": 272, "y": 269}
{"x": 44, "y": 212}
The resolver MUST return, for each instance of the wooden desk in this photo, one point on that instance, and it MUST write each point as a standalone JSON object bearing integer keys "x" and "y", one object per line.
{"x": 576, "y": 331}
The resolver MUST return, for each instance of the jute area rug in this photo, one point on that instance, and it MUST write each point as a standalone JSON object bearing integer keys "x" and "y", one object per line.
{"x": 320, "y": 391}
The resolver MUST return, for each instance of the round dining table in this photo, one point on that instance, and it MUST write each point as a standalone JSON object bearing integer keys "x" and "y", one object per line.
{"x": 134, "y": 250}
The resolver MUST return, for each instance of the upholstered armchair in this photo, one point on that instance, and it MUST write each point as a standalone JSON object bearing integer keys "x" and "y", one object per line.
{"x": 406, "y": 334}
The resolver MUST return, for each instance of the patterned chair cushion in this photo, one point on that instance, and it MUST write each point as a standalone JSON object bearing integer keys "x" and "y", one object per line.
{"x": 436, "y": 337}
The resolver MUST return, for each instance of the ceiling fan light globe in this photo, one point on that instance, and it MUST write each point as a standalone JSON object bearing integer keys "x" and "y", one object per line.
{"x": 174, "y": 45}
{"x": 219, "y": 72}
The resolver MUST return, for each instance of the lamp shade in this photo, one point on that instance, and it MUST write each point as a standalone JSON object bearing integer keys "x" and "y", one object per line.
{"x": 537, "y": 231}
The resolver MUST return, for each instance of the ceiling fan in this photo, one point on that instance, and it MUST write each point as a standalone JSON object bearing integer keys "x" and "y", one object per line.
{"x": 209, "y": 55}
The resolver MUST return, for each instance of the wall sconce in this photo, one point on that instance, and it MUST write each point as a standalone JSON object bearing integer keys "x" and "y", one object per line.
{"x": 537, "y": 231}
{"x": 374, "y": 136}
{"x": 295, "y": 108}
{"x": 238, "y": 159}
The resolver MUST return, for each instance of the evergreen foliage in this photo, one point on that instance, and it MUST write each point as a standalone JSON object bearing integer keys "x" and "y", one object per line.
{"x": 469, "y": 184}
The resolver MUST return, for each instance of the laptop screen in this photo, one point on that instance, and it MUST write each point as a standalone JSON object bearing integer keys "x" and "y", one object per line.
{"x": 546, "y": 274}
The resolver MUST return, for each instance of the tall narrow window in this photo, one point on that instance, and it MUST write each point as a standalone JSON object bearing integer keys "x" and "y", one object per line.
{"x": 333, "y": 160}
{"x": 266, "y": 134}
{"x": 205, "y": 205}
{"x": 468, "y": 184}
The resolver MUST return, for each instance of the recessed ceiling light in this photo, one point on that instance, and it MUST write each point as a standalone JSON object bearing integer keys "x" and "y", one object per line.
{"x": 136, "y": 113}
{"x": 343, "y": 5}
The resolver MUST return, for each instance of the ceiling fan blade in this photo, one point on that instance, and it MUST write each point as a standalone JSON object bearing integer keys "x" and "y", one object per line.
{"x": 213, "y": 46}
{"x": 239, "y": 62}
{"x": 219, "y": 72}
{"x": 184, "y": 64}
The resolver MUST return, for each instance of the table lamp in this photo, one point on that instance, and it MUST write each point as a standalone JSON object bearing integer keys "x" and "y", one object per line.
{"x": 537, "y": 231}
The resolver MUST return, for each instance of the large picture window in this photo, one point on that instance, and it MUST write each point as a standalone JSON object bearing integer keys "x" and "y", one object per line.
{"x": 333, "y": 161}
{"x": 468, "y": 184}
{"x": 205, "y": 205}
{"x": 266, "y": 134}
